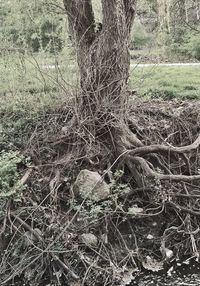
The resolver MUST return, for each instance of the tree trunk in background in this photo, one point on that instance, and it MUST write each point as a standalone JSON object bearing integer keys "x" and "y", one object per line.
{"x": 163, "y": 7}
{"x": 102, "y": 55}
{"x": 186, "y": 11}
{"x": 169, "y": 16}
{"x": 197, "y": 9}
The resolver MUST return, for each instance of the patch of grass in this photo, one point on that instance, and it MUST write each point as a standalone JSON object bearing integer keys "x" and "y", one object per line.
{"x": 29, "y": 88}
{"x": 167, "y": 82}
{"x": 36, "y": 73}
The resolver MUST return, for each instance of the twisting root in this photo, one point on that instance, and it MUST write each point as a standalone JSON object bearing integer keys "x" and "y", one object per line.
{"x": 149, "y": 172}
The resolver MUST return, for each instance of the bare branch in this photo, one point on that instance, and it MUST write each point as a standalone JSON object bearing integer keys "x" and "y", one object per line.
{"x": 183, "y": 209}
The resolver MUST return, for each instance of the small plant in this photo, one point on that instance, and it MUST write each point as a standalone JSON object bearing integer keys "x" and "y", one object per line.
{"x": 90, "y": 212}
{"x": 9, "y": 175}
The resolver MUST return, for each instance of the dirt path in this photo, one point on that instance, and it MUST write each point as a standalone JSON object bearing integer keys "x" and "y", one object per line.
{"x": 165, "y": 65}
{"x": 135, "y": 65}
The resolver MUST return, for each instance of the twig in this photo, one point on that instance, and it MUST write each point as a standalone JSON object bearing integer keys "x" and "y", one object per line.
{"x": 186, "y": 210}
{"x": 39, "y": 238}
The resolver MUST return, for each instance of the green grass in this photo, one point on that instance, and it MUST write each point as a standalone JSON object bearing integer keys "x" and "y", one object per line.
{"x": 28, "y": 92}
{"x": 23, "y": 76}
{"x": 31, "y": 74}
{"x": 167, "y": 82}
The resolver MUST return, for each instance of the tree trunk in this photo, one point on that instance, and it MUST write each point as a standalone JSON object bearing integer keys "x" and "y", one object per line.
{"x": 103, "y": 54}
{"x": 197, "y": 10}
{"x": 186, "y": 12}
{"x": 164, "y": 19}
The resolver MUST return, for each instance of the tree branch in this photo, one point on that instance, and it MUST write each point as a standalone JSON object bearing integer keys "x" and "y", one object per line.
{"x": 81, "y": 20}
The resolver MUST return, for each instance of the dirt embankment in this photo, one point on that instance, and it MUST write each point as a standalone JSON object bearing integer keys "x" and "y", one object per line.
{"x": 52, "y": 235}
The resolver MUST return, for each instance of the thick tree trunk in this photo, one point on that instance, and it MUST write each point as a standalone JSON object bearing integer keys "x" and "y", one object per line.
{"x": 103, "y": 56}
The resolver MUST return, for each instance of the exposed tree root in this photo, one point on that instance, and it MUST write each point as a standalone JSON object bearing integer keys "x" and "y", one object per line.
{"x": 149, "y": 172}
{"x": 136, "y": 162}
{"x": 166, "y": 149}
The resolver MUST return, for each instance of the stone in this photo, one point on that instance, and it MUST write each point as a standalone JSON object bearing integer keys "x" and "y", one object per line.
{"x": 135, "y": 210}
{"x": 150, "y": 236}
{"x": 152, "y": 264}
{"x": 90, "y": 185}
{"x": 89, "y": 239}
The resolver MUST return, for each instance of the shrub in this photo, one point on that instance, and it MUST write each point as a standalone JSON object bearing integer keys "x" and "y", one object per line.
{"x": 194, "y": 47}
{"x": 190, "y": 46}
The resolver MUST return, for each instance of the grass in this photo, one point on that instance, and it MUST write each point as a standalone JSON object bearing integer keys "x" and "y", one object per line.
{"x": 33, "y": 73}
{"x": 32, "y": 77}
{"x": 28, "y": 91}
{"x": 167, "y": 82}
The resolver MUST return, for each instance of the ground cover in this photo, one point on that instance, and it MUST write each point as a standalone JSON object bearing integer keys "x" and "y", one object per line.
{"x": 34, "y": 73}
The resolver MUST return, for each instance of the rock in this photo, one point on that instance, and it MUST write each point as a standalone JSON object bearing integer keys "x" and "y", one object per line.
{"x": 152, "y": 264}
{"x": 150, "y": 236}
{"x": 166, "y": 252}
{"x": 90, "y": 185}
{"x": 89, "y": 239}
{"x": 135, "y": 210}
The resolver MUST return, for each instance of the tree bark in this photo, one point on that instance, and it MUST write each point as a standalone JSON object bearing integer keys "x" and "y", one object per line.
{"x": 164, "y": 16}
{"x": 197, "y": 10}
{"x": 103, "y": 56}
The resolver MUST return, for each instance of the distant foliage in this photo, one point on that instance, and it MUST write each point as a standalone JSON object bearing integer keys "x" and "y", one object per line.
{"x": 188, "y": 45}
{"x": 39, "y": 26}
{"x": 173, "y": 26}
{"x": 192, "y": 46}
{"x": 31, "y": 25}
{"x": 140, "y": 38}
